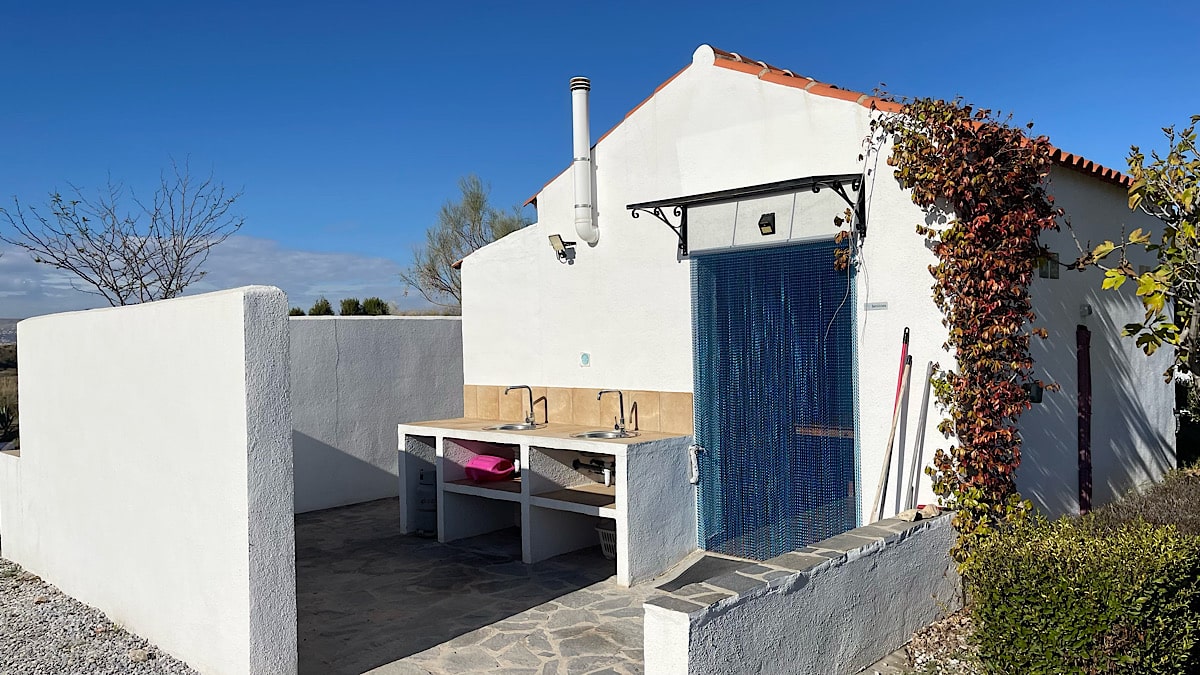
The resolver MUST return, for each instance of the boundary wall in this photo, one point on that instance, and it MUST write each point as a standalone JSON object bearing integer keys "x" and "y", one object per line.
{"x": 155, "y": 475}
{"x": 353, "y": 380}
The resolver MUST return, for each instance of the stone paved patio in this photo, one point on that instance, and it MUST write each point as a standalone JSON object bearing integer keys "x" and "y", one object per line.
{"x": 369, "y": 598}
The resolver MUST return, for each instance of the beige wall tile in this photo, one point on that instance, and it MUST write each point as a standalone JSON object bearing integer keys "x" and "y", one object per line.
{"x": 513, "y": 405}
{"x": 488, "y": 402}
{"x": 648, "y": 410}
{"x": 558, "y": 405}
{"x": 585, "y": 409}
{"x": 470, "y": 400}
{"x": 676, "y": 412}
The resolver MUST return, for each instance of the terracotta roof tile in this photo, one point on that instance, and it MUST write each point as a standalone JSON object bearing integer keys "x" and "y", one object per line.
{"x": 737, "y": 62}
{"x": 768, "y": 73}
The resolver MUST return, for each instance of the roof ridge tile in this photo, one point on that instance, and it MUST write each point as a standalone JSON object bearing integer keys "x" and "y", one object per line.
{"x": 768, "y": 73}
{"x": 775, "y": 75}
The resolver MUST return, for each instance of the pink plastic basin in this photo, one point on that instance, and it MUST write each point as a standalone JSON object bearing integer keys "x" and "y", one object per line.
{"x": 487, "y": 467}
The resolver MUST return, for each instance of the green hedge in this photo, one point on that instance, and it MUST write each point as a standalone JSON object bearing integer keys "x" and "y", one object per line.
{"x": 1075, "y": 596}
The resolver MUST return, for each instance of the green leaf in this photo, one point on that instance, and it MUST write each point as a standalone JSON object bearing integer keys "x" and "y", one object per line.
{"x": 1155, "y": 301}
{"x": 1112, "y": 279}
{"x": 1136, "y": 191}
{"x": 1103, "y": 249}
{"x": 1147, "y": 284}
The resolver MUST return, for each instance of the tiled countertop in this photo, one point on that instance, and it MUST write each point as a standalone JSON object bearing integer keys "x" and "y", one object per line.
{"x": 471, "y": 428}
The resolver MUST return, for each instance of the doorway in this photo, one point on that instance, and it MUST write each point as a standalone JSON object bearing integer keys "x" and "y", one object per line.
{"x": 775, "y": 403}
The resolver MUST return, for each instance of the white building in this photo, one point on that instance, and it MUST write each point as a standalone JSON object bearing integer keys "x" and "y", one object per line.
{"x": 788, "y": 365}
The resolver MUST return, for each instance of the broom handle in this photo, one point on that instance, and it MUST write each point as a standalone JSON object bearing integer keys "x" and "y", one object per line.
{"x": 919, "y": 450}
{"x": 900, "y": 373}
{"x": 877, "y": 503}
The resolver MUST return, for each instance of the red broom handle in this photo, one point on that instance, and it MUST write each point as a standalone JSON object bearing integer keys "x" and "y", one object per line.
{"x": 900, "y": 375}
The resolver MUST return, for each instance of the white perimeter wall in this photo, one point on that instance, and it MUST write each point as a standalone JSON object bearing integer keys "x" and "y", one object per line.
{"x": 832, "y": 619}
{"x": 627, "y": 300}
{"x": 155, "y": 476}
{"x": 353, "y": 380}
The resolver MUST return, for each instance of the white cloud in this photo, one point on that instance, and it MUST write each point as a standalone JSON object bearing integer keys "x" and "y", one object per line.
{"x": 28, "y": 289}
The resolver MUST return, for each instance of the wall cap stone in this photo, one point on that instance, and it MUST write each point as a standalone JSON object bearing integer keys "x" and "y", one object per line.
{"x": 792, "y": 570}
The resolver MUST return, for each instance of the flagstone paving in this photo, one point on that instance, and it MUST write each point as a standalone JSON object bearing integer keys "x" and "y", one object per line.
{"x": 369, "y": 598}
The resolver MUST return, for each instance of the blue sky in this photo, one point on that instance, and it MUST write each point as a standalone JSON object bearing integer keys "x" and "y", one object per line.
{"x": 348, "y": 124}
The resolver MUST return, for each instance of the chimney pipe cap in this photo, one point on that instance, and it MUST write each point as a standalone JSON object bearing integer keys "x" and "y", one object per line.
{"x": 580, "y": 83}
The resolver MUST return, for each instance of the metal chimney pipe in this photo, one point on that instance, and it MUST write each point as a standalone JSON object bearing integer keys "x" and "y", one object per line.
{"x": 585, "y": 217}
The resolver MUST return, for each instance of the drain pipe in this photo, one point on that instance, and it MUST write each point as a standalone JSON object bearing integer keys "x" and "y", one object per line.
{"x": 585, "y": 218}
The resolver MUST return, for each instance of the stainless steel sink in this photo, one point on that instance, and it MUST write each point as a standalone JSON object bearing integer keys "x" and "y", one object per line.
{"x": 514, "y": 426}
{"x": 605, "y": 433}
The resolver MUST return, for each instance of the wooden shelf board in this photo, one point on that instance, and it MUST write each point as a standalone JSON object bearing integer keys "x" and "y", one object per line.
{"x": 511, "y": 486}
{"x": 827, "y": 432}
{"x": 592, "y": 494}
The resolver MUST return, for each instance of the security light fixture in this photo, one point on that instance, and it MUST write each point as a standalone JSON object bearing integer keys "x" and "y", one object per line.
{"x": 766, "y": 224}
{"x": 560, "y": 247}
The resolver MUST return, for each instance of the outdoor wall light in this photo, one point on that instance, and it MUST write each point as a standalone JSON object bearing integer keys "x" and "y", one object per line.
{"x": 766, "y": 224}
{"x": 562, "y": 249}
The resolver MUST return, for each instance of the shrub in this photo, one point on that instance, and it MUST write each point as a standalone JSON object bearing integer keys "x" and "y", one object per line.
{"x": 295, "y": 311}
{"x": 321, "y": 308}
{"x": 8, "y": 419}
{"x": 1077, "y": 596}
{"x": 351, "y": 307}
{"x": 374, "y": 307}
{"x": 1174, "y": 501}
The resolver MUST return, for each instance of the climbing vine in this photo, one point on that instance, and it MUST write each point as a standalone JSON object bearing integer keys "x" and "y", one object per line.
{"x": 981, "y": 181}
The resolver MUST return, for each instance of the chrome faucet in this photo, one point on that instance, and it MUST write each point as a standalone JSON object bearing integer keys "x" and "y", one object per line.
{"x": 621, "y": 406}
{"x": 527, "y": 388}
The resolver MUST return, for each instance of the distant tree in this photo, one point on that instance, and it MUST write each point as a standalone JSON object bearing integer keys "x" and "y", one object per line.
{"x": 321, "y": 308}
{"x": 128, "y": 253}
{"x": 375, "y": 307}
{"x": 462, "y": 227}
{"x": 295, "y": 311}
{"x": 351, "y": 307}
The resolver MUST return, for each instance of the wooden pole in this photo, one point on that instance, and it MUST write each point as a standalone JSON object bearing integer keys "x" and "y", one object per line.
{"x": 919, "y": 447}
{"x": 877, "y": 503}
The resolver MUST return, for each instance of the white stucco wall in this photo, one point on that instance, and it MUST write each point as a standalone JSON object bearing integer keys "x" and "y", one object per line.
{"x": 627, "y": 302}
{"x": 835, "y": 618}
{"x": 1133, "y": 427}
{"x": 155, "y": 478}
{"x": 353, "y": 380}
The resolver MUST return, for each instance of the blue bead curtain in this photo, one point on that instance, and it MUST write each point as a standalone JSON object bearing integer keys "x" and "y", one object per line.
{"x": 774, "y": 398}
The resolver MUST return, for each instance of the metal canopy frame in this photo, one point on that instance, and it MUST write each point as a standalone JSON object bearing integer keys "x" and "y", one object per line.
{"x": 678, "y": 206}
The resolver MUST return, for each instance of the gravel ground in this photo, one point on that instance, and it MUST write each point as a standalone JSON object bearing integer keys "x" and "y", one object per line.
{"x": 44, "y": 631}
{"x": 942, "y": 648}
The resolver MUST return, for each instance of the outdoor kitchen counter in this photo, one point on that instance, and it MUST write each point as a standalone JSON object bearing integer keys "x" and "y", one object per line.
{"x": 470, "y": 428}
{"x": 637, "y": 487}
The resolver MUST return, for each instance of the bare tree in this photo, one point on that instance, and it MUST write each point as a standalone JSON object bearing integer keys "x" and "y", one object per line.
{"x": 129, "y": 254}
{"x": 461, "y": 227}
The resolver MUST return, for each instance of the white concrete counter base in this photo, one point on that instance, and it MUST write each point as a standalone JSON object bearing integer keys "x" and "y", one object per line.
{"x": 560, "y": 496}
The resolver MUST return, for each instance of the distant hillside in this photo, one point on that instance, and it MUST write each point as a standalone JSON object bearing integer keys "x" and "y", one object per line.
{"x": 8, "y": 331}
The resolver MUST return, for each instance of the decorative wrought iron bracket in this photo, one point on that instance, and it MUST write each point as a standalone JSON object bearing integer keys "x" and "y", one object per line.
{"x": 680, "y": 230}
{"x": 678, "y": 206}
